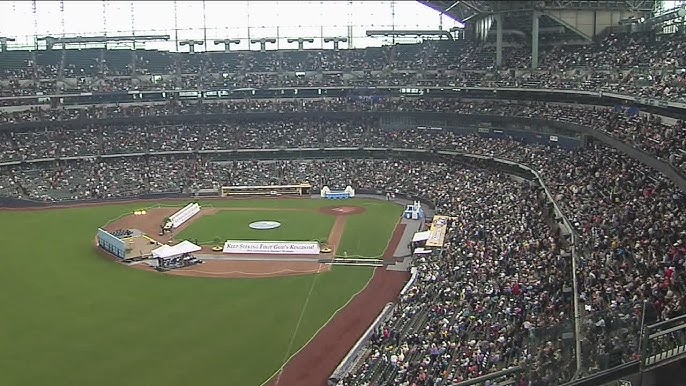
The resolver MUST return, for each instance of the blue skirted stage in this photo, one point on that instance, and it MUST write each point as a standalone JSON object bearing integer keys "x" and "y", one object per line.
{"x": 414, "y": 211}
{"x": 329, "y": 194}
{"x": 337, "y": 195}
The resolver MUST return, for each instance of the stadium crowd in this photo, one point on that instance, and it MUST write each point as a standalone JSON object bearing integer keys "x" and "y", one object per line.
{"x": 499, "y": 293}
{"x": 646, "y": 132}
{"x": 645, "y": 65}
{"x": 478, "y": 306}
{"x": 633, "y": 251}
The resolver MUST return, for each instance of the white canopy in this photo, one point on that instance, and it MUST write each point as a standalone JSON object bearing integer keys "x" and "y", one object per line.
{"x": 421, "y": 236}
{"x": 179, "y": 249}
{"x": 422, "y": 251}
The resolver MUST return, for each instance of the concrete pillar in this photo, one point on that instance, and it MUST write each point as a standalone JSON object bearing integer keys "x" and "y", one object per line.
{"x": 499, "y": 40}
{"x": 534, "y": 41}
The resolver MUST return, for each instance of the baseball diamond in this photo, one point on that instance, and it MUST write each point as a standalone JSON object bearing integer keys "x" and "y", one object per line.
{"x": 299, "y": 220}
{"x": 331, "y": 286}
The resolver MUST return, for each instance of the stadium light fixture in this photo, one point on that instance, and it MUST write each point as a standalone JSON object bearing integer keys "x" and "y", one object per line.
{"x": 227, "y": 43}
{"x": 301, "y": 42}
{"x": 263, "y": 42}
{"x": 335, "y": 40}
{"x": 191, "y": 44}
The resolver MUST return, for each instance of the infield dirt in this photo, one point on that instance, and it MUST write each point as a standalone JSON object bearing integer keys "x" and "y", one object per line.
{"x": 150, "y": 224}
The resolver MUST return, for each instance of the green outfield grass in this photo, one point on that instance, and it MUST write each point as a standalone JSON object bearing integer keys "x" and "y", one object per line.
{"x": 72, "y": 317}
{"x": 367, "y": 234}
{"x": 233, "y": 225}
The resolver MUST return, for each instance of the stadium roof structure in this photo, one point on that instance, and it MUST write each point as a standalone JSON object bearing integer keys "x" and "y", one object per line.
{"x": 517, "y": 15}
{"x": 468, "y": 10}
{"x": 463, "y": 11}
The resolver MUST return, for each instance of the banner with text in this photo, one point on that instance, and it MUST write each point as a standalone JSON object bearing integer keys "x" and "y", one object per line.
{"x": 272, "y": 247}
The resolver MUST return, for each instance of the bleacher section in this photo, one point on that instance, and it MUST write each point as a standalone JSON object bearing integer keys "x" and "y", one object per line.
{"x": 225, "y": 62}
{"x": 15, "y": 64}
{"x": 336, "y": 60}
{"x": 445, "y": 55}
{"x": 153, "y": 62}
{"x": 409, "y": 56}
{"x": 80, "y": 63}
{"x": 48, "y": 63}
{"x": 375, "y": 58}
{"x": 648, "y": 66}
{"x": 256, "y": 61}
{"x": 117, "y": 62}
{"x": 308, "y": 60}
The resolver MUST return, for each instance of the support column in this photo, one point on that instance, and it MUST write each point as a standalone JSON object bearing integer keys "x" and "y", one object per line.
{"x": 34, "y": 10}
{"x": 350, "y": 24}
{"x": 64, "y": 30}
{"x": 499, "y": 41}
{"x": 204, "y": 25}
{"x": 534, "y": 41}
{"x": 104, "y": 20}
{"x": 393, "y": 20}
{"x": 132, "y": 10}
{"x": 176, "y": 26}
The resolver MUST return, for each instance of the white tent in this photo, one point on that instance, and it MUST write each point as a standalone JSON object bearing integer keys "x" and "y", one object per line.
{"x": 421, "y": 236}
{"x": 161, "y": 251}
{"x": 422, "y": 251}
{"x": 179, "y": 249}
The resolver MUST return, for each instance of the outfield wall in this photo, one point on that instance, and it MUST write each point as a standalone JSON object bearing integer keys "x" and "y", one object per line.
{"x": 15, "y": 203}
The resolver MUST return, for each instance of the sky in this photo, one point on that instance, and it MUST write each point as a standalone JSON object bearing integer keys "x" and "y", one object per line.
{"x": 216, "y": 20}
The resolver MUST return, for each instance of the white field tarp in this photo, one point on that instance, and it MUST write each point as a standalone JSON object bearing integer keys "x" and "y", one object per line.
{"x": 183, "y": 215}
{"x": 166, "y": 251}
{"x": 421, "y": 236}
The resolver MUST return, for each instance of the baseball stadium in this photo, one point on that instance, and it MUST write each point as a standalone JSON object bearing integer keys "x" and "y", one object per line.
{"x": 343, "y": 193}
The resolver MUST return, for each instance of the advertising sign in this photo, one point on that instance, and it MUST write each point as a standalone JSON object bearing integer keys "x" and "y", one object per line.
{"x": 272, "y": 247}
